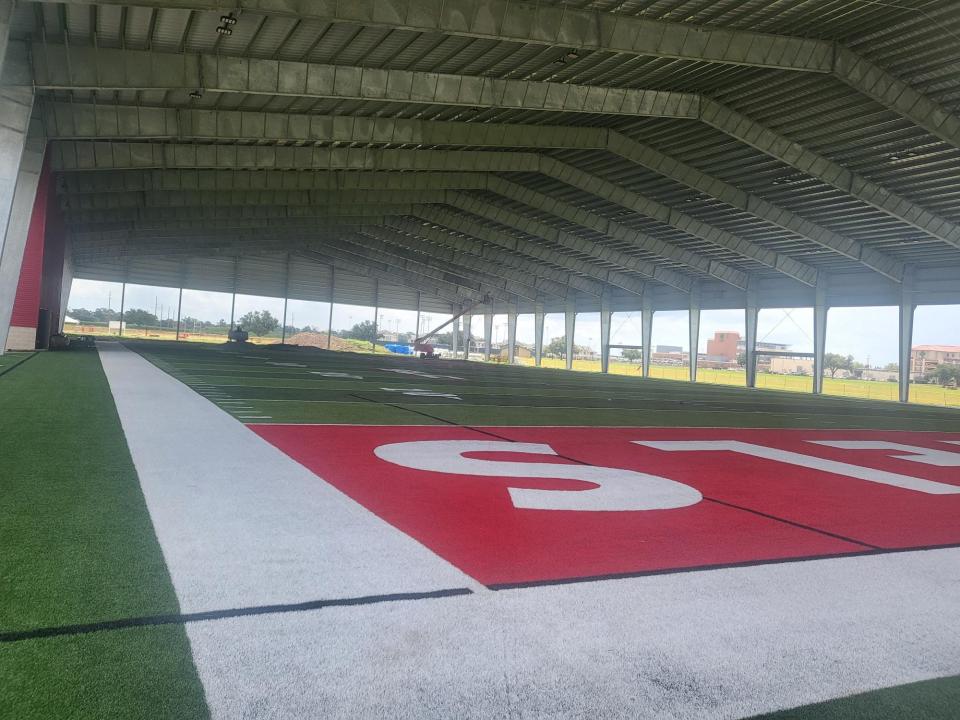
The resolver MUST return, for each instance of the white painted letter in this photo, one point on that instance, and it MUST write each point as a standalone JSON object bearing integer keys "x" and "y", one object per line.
{"x": 882, "y": 477}
{"x": 616, "y": 489}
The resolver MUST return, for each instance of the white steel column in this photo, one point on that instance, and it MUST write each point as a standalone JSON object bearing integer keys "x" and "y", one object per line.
{"x": 330, "y": 316}
{"x": 376, "y": 313}
{"x": 646, "y": 332}
{"x": 606, "y": 315}
{"x": 512, "y": 335}
{"x": 467, "y": 330}
{"x": 286, "y": 291}
{"x": 693, "y": 321}
{"x": 820, "y": 310}
{"x": 179, "y": 308}
{"x": 416, "y": 333}
{"x": 752, "y": 311}
{"x": 569, "y": 326}
{"x": 907, "y": 308}
{"x": 487, "y": 333}
{"x": 123, "y": 300}
{"x": 455, "y": 335}
{"x": 538, "y": 334}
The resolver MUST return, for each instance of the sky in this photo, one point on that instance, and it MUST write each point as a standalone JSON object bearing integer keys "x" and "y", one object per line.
{"x": 865, "y": 333}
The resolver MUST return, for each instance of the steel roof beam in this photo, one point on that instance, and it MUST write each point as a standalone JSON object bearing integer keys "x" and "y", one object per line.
{"x": 463, "y": 224}
{"x": 540, "y": 24}
{"x": 808, "y": 162}
{"x": 395, "y": 130}
{"x": 70, "y": 155}
{"x": 569, "y": 241}
{"x": 58, "y": 67}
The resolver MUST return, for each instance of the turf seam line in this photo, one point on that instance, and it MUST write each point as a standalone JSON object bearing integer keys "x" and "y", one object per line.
{"x": 718, "y": 566}
{"x": 19, "y": 363}
{"x": 183, "y": 618}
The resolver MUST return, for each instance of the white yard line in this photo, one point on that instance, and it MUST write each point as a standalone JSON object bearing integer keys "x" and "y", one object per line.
{"x": 239, "y": 522}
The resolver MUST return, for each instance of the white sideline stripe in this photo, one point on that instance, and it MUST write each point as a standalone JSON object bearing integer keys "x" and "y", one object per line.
{"x": 240, "y": 523}
{"x": 710, "y": 645}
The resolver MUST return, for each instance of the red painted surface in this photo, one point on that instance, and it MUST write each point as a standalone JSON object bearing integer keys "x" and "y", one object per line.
{"x": 26, "y": 306}
{"x": 753, "y": 510}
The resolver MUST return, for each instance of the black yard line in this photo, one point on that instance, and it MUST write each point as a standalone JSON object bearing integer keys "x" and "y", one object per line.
{"x": 183, "y": 618}
{"x": 17, "y": 364}
{"x": 768, "y": 516}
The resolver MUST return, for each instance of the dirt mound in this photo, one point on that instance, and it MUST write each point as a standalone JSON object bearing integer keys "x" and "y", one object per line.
{"x": 319, "y": 340}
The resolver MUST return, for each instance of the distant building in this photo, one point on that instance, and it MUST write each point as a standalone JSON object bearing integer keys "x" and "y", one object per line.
{"x": 668, "y": 349}
{"x": 926, "y": 358}
{"x": 726, "y": 346}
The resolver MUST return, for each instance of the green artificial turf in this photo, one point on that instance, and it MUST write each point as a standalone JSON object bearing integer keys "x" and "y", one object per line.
{"x": 247, "y": 383}
{"x": 79, "y": 547}
{"x": 930, "y": 700}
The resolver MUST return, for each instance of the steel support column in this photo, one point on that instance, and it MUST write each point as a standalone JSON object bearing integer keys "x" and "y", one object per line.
{"x": 179, "y": 308}
{"x": 569, "y": 327}
{"x": 820, "y": 310}
{"x": 538, "y": 334}
{"x": 907, "y": 308}
{"x": 123, "y": 299}
{"x": 752, "y": 312}
{"x": 512, "y": 335}
{"x": 286, "y": 291}
{"x": 693, "y": 322}
{"x": 376, "y": 313}
{"x": 487, "y": 333}
{"x": 467, "y": 335}
{"x": 646, "y": 332}
{"x": 606, "y": 315}
{"x": 330, "y": 316}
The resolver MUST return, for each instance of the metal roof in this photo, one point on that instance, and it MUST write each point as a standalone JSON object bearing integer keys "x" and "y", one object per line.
{"x": 608, "y": 147}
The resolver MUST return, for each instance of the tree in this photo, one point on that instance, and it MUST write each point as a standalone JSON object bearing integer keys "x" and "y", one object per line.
{"x": 945, "y": 375}
{"x": 834, "y": 363}
{"x": 632, "y": 355}
{"x": 135, "y": 316}
{"x": 892, "y": 367}
{"x": 556, "y": 346}
{"x": 742, "y": 359}
{"x": 259, "y": 322}
{"x": 82, "y": 314}
{"x": 366, "y": 330}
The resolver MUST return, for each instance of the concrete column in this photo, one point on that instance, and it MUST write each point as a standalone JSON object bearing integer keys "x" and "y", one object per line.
{"x": 487, "y": 333}
{"x": 606, "y": 315}
{"x": 512, "y": 335}
{"x": 820, "y": 310}
{"x": 646, "y": 333}
{"x": 907, "y": 308}
{"x": 16, "y": 211}
{"x": 752, "y": 312}
{"x": 538, "y": 334}
{"x": 467, "y": 335}
{"x": 569, "y": 327}
{"x": 693, "y": 321}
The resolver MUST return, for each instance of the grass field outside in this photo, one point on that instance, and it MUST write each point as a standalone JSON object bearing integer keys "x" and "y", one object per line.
{"x": 864, "y": 389}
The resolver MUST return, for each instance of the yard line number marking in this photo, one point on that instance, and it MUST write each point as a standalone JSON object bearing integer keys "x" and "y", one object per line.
{"x": 618, "y": 489}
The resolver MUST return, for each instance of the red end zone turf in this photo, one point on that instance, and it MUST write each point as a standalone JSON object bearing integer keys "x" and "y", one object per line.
{"x": 770, "y": 495}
